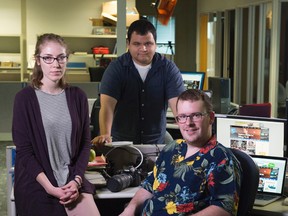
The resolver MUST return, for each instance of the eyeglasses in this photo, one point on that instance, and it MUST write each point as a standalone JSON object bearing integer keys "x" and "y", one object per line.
{"x": 50, "y": 59}
{"x": 193, "y": 116}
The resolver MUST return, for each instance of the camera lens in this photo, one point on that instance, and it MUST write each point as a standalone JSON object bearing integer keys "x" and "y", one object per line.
{"x": 119, "y": 182}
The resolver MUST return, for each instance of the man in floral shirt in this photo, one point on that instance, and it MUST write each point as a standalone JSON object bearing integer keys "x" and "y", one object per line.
{"x": 193, "y": 176}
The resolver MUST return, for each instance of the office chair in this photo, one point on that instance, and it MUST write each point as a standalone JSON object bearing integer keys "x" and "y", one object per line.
{"x": 168, "y": 138}
{"x": 249, "y": 184}
{"x": 94, "y": 118}
{"x": 259, "y": 110}
{"x": 96, "y": 73}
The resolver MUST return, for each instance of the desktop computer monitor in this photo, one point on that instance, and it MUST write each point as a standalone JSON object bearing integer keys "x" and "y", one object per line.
{"x": 254, "y": 135}
{"x": 221, "y": 94}
{"x": 193, "y": 80}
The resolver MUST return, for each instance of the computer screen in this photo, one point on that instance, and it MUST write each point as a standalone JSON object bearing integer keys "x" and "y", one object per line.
{"x": 193, "y": 79}
{"x": 254, "y": 135}
{"x": 221, "y": 94}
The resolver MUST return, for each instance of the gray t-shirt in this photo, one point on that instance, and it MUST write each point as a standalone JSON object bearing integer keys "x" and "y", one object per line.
{"x": 58, "y": 127}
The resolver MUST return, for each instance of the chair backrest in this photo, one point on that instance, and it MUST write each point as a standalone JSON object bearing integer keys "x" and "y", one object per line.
{"x": 96, "y": 73}
{"x": 168, "y": 138}
{"x": 94, "y": 118}
{"x": 250, "y": 182}
{"x": 260, "y": 110}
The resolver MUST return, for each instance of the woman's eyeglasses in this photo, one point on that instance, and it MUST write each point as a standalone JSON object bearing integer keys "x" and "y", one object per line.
{"x": 50, "y": 59}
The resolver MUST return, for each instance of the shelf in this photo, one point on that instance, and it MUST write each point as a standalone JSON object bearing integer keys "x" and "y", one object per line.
{"x": 10, "y": 68}
{"x": 85, "y": 43}
{"x": 96, "y": 55}
{"x": 10, "y": 55}
{"x": 90, "y": 36}
{"x": 77, "y": 70}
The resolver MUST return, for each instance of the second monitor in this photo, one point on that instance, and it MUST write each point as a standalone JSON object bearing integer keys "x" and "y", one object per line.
{"x": 221, "y": 94}
{"x": 193, "y": 79}
{"x": 254, "y": 135}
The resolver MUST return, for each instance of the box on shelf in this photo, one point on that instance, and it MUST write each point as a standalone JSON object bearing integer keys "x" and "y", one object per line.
{"x": 100, "y": 50}
{"x": 96, "y": 22}
{"x": 104, "y": 30}
{"x": 108, "y": 18}
{"x": 130, "y": 17}
{"x": 16, "y": 64}
{"x": 6, "y": 64}
{"x": 76, "y": 65}
{"x": 110, "y": 7}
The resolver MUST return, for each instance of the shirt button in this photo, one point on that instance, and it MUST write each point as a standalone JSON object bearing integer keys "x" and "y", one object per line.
{"x": 143, "y": 90}
{"x": 142, "y": 132}
{"x": 142, "y": 105}
{"x": 142, "y": 118}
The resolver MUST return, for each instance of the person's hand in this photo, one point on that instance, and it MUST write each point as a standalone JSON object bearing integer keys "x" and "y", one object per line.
{"x": 71, "y": 193}
{"x": 101, "y": 140}
{"x": 56, "y": 192}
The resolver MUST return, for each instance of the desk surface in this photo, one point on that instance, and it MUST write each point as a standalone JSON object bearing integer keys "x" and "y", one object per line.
{"x": 274, "y": 209}
{"x": 104, "y": 193}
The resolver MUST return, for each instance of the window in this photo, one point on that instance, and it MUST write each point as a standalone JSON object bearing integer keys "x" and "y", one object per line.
{"x": 165, "y": 35}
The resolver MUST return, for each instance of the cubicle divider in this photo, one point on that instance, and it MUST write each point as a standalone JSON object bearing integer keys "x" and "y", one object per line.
{"x": 10, "y": 162}
{"x": 8, "y": 90}
{"x": 90, "y": 88}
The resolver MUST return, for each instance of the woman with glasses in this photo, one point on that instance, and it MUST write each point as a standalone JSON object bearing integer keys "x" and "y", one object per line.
{"x": 194, "y": 175}
{"x": 52, "y": 137}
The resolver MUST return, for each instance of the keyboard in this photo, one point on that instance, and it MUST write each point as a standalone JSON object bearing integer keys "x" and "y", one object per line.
{"x": 264, "y": 197}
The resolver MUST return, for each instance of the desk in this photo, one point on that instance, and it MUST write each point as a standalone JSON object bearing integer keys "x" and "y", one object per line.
{"x": 113, "y": 203}
{"x": 274, "y": 209}
{"x": 104, "y": 193}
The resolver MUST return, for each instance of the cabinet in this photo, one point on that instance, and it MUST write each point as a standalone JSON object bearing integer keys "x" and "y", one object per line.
{"x": 10, "y": 57}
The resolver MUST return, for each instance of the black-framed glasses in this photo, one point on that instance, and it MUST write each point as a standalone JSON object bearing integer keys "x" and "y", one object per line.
{"x": 50, "y": 59}
{"x": 197, "y": 116}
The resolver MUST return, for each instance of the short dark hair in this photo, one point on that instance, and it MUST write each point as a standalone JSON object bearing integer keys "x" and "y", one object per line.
{"x": 142, "y": 27}
{"x": 195, "y": 95}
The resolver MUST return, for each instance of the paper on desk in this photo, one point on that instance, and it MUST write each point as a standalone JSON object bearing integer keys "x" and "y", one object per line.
{"x": 99, "y": 161}
{"x": 95, "y": 177}
{"x": 119, "y": 143}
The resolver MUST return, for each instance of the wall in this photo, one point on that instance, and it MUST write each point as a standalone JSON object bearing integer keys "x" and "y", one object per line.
{"x": 186, "y": 28}
{"x": 69, "y": 17}
{"x": 10, "y": 17}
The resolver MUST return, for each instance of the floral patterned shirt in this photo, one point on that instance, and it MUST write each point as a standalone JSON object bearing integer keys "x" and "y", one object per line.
{"x": 182, "y": 186}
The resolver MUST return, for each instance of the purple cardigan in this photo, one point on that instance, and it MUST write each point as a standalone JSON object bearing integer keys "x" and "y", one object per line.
{"x": 32, "y": 153}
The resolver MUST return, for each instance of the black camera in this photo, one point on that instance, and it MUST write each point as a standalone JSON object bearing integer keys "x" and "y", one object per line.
{"x": 130, "y": 177}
